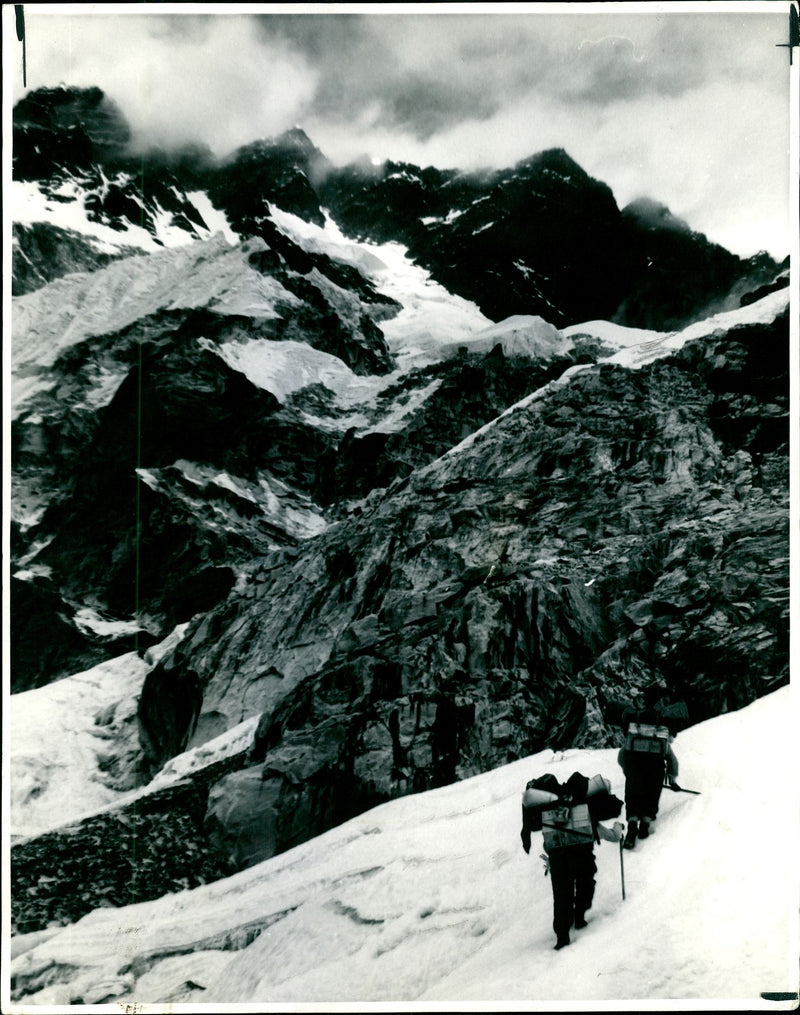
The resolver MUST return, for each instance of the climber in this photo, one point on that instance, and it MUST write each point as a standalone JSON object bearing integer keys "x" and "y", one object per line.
{"x": 569, "y": 817}
{"x": 646, "y": 759}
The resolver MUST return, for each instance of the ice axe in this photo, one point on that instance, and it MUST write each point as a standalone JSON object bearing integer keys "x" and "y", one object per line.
{"x": 622, "y": 869}
{"x": 679, "y": 789}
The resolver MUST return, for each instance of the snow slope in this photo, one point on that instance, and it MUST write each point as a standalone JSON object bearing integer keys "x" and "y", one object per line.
{"x": 87, "y": 723}
{"x": 68, "y": 716}
{"x": 431, "y": 317}
{"x": 430, "y": 900}
{"x": 635, "y": 347}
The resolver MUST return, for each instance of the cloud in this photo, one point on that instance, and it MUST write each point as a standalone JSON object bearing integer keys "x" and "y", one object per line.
{"x": 427, "y": 72}
{"x": 690, "y": 109}
{"x": 176, "y": 78}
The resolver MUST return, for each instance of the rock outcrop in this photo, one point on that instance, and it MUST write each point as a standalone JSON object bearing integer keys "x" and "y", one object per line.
{"x": 621, "y": 529}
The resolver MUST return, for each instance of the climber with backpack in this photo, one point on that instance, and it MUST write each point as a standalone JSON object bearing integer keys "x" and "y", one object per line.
{"x": 647, "y": 759}
{"x": 569, "y": 817}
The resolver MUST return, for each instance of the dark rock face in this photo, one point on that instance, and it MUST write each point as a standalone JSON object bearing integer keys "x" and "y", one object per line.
{"x": 160, "y": 542}
{"x": 678, "y": 275}
{"x": 542, "y": 238}
{"x": 168, "y": 709}
{"x": 472, "y": 391}
{"x": 610, "y": 536}
{"x": 115, "y": 537}
{"x": 42, "y": 252}
{"x": 80, "y": 138}
{"x": 279, "y": 171}
{"x": 60, "y": 127}
{"x": 46, "y": 643}
{"x": 764, "y": 280}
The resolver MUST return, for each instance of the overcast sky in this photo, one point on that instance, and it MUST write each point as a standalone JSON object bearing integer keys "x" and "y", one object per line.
{"x": 691, "y": 109}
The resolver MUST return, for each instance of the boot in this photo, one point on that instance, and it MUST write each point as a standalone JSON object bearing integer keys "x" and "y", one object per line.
{"x": 561, "y": 942}
{"x": 580, "y": 921}
{"x": 630, "y": 835}
{"x": 644, "y": 828}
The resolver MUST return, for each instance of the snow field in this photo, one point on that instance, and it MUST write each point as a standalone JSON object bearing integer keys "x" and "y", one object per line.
{"x": 430, "y": 898}
{"x": 431, "y": 317}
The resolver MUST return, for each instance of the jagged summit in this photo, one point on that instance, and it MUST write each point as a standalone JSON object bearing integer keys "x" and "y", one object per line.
{"x": 293, "y": 143}
{"x": 67, "y": 109}
{"x": 66, "y": 127}
{"x": 490, "y": 237}
{"x": 555, "y": 160}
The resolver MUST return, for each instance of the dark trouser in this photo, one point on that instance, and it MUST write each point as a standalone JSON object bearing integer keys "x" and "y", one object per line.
{"x": 644, "y": 776}
{"x": 572, "y": 871}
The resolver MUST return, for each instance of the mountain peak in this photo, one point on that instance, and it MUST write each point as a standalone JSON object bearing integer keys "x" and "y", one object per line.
{"x": 295, "y": 137}
{"x": 553, "y": 159}
{"x": 653, "y": 214}
{"x": 88, "y": 110}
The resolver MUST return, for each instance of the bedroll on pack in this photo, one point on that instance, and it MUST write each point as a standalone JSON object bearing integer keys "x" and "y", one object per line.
{"x": 603, "y": 805}
{"x": 537, "y": 799}
{"x": 598, "y": 784}
{"x": 539, "y": 794}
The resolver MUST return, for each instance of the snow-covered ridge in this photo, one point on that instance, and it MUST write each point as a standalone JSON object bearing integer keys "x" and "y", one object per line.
{"x": 520, "y": 335}
{"x": 65, "y": 208}
{"x": 206, "y": 273}
{"x": 430, "y": 899}
{"x": 637, "y": 347}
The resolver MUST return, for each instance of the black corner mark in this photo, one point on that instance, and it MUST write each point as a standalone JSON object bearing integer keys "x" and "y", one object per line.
{"x": 790, "y": 995}
{"x": 794, "y": 32}
{"x": 19, "y": 11}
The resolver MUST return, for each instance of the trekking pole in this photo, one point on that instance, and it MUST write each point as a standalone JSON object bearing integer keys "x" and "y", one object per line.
{"x": 622, "y": 868}
{"x": 679, "y": 789}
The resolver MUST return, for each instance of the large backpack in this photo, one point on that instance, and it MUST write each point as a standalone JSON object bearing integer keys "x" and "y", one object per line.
{"x": 539, "y": 794}
{"x": 603, "y": 804}
{"x": 675, "y": 716}
{"x": 566, "y": 814}
{"x": 567, "y": 825}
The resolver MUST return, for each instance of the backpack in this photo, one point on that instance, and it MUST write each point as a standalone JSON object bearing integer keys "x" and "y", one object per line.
{"x": 647, "y": 738}
{"x": 675, "y": 716}
{"x": 568, "y": 824}
{"x": 566, "y": 814}
{"x": 603, "y": 804}
{"x": 539, "y": 793}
